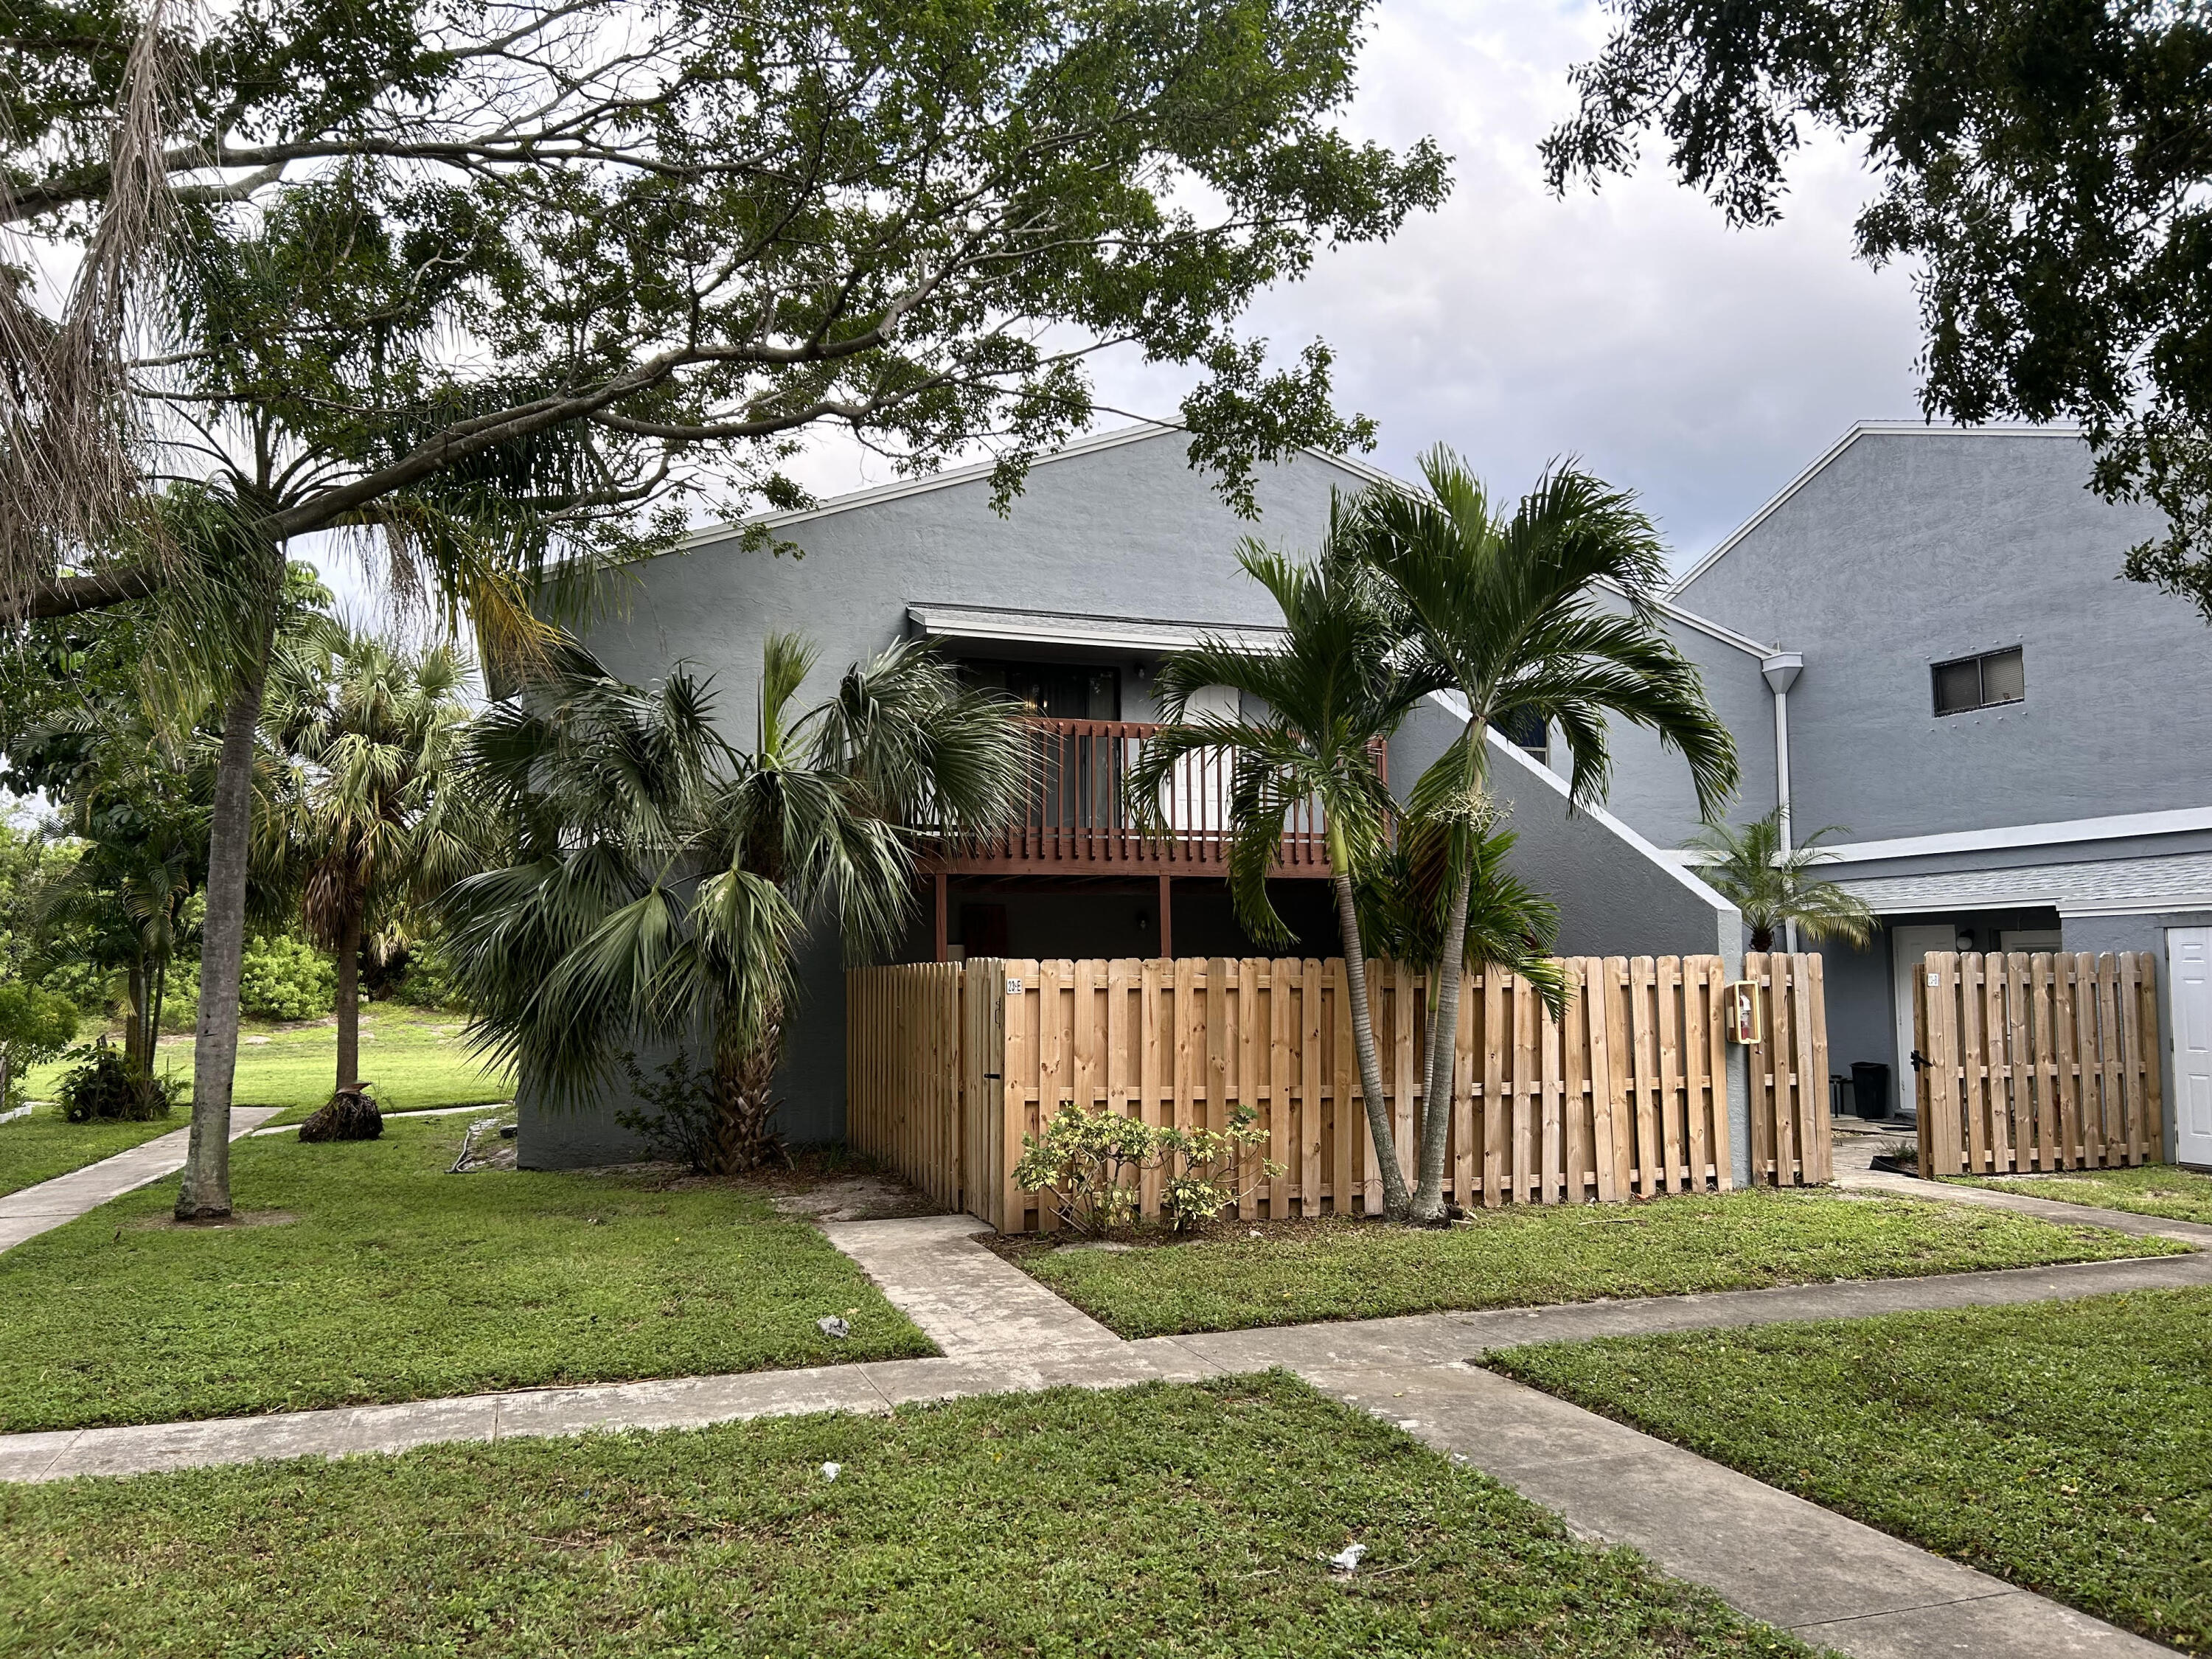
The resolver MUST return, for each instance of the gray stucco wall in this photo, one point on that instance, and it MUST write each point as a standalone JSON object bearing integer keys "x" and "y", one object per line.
{"x": 1909, "y": 548}
{"x": 1855, "y": 985}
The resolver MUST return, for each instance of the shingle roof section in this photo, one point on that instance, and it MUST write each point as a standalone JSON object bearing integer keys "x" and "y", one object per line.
{"x": 2184, "y": 878}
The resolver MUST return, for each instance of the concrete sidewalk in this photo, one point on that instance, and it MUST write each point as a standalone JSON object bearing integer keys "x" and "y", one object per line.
{"x": 39, "y": 1209}
{"x": 1834, "y": 1583}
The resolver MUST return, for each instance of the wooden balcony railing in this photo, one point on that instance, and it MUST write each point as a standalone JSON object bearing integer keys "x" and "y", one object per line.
{"x": 1079, "y": 815}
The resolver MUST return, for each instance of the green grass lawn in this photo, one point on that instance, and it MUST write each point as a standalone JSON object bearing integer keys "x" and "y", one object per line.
{"x": 2158, "y": 1189}
{"x": 394, "y": 1280}
{"x": 2066, "y": 1447}
{"x": 1170, "y": 1519}
{"x": 46, "y": 1145}
{"x": 413, "y": 1057}
{"x": 1521, "y": 1257}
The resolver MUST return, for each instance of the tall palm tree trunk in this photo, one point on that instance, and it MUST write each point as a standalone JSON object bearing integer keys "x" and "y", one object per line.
{"x": 349, "y": 1006}
{"x": 1443, "y": 1042}
{"x": 1396, "y": 1200}
{"x": 744, "y": 1100}
{"x": 204, "y": 1194}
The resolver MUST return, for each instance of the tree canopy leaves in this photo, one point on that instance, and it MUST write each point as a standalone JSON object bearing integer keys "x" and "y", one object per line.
{"x": 489, "y": 276}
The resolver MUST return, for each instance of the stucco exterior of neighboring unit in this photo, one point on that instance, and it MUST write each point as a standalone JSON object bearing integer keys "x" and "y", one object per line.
{"x": 1905, "y": 547}
{"x": 1915, "y": 546}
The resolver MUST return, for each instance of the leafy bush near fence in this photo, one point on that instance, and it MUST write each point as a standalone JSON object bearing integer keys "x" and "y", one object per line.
{"x": 287, "y": 978}
{"x": 1090, "y": 1167}
{"x": 676, "y": 1116}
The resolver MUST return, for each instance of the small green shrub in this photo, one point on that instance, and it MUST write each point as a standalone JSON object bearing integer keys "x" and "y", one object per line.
{"x": 105, "y": 1085}
{"x": 678, "y": 1117}
{"x": 181, "y": 1001}
{"x": 92, "y": 989}
{"x": 287, "y": 978}
{"x": 1088, "y": 1166}
{"x": 36, "y": 1025}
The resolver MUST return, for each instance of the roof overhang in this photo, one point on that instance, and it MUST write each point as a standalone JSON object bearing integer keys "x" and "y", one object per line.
{"x": 2060, "y": 833}
{"x": 2178, "y": 881}
{"x": 970, "y": 624}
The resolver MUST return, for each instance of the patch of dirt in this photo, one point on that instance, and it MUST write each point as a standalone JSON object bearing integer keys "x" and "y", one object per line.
{"x": 819, "y": 1185}
{"x": 169, "y": 1224}
{"x": 856, "y": 1198}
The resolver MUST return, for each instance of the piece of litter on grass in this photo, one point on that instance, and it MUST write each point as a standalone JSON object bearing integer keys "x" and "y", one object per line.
{"x": 829, "y": 1471}
{"x": 1345, "y": 1559}
{"x": 834, "y": 1327}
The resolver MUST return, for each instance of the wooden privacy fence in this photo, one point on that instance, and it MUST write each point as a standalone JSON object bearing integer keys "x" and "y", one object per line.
{"x": 2041, "y": 1061}
{"x": 950, "y": 1066}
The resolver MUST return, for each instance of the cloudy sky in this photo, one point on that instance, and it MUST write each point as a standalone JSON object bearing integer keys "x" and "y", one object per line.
{"x": 1701, "y": 366}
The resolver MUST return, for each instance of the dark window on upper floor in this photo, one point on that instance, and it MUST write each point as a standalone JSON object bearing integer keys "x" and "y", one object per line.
{"x": 1065, "y": 691}
{"x": 1525, "y": 730}
{"x": 1984, "y": 682}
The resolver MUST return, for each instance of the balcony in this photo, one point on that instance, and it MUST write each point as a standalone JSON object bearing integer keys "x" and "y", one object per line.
{"x": 1079, "y": 818}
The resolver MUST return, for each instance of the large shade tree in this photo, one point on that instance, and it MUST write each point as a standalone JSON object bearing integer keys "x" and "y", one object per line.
{"x": 371, "y": 815}
{"x": 2043, "y": 164}
{"x": 1544, "y": 611}
{"x": 1316, "y": 705}
{"x": 664, "y": 877}
{"x": 489, "y": 280}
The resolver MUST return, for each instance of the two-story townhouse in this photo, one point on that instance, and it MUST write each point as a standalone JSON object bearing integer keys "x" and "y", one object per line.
{"x": 1927, "y": 635}
{"x": 1115, "y": 554}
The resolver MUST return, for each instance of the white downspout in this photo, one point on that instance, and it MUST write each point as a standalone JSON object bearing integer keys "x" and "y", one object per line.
{"x": 1781, "y": 670}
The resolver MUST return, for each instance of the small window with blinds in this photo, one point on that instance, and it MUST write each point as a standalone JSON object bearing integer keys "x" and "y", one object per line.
{"x": 1988, "y": 681}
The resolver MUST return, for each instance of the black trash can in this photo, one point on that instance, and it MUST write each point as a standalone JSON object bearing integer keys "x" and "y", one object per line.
{"x": 1870, "y": 1088}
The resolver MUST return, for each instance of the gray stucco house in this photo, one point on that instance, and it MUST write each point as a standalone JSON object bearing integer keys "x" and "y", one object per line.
{"x": 1925, "y": 639}
{"x": 1116, "y": 553}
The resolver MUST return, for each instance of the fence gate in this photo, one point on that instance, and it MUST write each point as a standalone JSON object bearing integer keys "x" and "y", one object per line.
{"x": 2047, "y": 1061}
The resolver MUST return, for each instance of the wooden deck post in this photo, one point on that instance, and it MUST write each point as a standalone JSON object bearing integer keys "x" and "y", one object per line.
{"x": 1167, "y": 915}
{"x": 944, "y": 935}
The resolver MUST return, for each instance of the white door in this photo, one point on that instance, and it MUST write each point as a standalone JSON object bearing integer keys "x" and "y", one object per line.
{"x": 2188, "y": 1019}
{"x": 1908, "y": 948}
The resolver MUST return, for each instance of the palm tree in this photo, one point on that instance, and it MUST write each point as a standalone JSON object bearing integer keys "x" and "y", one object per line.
{"x": 1511, "y": 610}
{"x": 1774, "y": 888}
{"x": 369, "y": 815}
{"x": 1331, "y": 691}
{"x": 1405, "y": 904}
{"x": 664, "y": 877}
